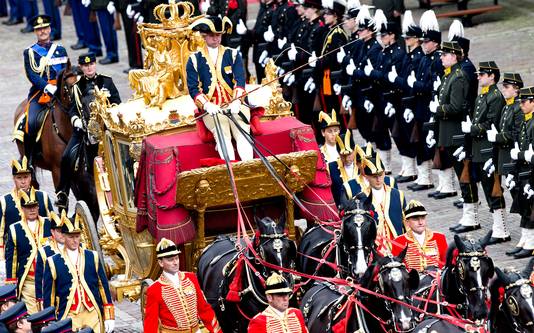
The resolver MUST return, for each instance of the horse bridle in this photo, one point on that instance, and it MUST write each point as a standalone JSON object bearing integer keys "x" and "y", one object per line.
{"x": 358, "y": 219}
{"x": 396, "y": 276}
{"x": 525, "y": 289}
{"x": 278, "y": 245}
{"x": 474, "y": 263}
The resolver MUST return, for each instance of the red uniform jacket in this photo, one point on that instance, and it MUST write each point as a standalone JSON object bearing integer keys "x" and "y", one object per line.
{"x": 178, "y": 308}
{"x": 268, "y": 321}
{"x": 432, "y": 253}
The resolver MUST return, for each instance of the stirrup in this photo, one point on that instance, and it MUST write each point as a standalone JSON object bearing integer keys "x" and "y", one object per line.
{"x": 62, "y": 201}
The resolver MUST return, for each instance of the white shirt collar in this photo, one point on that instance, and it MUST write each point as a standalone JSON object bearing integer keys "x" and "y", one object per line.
{"x": 214, "y": 53}
{"x": 32, "y": 225}
{"x": 349, "y": 169}
{"x": 174, "y": 278}
{"x": 378, "y": 195}
{"x": 278, "y": 313}
{"x": 73, "y": 255}
{"x": 420, "y": 238}
{"x": 332, "y": 152}
{"x": 60, "y": 246}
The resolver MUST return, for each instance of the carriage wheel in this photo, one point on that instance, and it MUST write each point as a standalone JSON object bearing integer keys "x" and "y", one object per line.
{"x": 90, "y": 237}
{"x": 144, "y": 286}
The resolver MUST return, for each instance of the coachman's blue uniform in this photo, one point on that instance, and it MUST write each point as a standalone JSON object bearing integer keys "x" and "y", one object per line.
{"x": 40, "y": 263}
{"x": 10, "y": 212}
{"x": 21, "y": 251}
{"x": 70, "y": 288}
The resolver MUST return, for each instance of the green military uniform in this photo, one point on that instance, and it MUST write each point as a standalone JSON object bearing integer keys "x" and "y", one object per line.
{"x": 509, "y": 125}
{"x": 488, "y": 107}
{"x": 523, "y": 202}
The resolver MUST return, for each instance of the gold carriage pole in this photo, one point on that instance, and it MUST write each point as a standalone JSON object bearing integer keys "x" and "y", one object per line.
{"x": 279, "y": 77}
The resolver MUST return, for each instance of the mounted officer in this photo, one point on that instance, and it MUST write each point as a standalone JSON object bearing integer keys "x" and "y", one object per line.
{"x": 42, "y": 63}
{"x": 10, "y": 208}
{"x": 79, "y": 114}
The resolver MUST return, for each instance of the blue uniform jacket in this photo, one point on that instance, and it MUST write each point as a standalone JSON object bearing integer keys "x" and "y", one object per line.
{"x": 351, "y": 188}
{"x": 44, "y": 252}
{"x": 393, "y": 215}
{"x": 37, "y": 71}
{"x": 10, "y": 212}
{"x": 203, "y": 75}
{"x": 61, "y": 281}
{"x": 22, "y": 248}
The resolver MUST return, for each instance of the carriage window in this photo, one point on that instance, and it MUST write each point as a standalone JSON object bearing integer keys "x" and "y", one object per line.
{"x": 128, "y": 167}
{"x": 114, "y": 166}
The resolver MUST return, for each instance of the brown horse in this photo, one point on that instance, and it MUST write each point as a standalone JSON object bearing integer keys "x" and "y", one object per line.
{"x": 55, "y": 136}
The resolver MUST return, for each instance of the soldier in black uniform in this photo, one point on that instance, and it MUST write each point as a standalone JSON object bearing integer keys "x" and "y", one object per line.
{"x": 335, "y": 38}
{"x": 423, "y": 81}
{"x": 236, "y": 11}
{"x": 386, "y": 97}
{"x": 364, "y": 52}
{"x": 133, "y": 40}
{"x": 488, "y": 106}
{"x": 403, "y": 128}
{"x": 83, "y": 92}
{"x": 523, "y": 153}
{"x": 257, "y": 36}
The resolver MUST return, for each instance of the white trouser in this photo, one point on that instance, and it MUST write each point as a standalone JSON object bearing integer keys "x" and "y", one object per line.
{"x": 229, "y": 130}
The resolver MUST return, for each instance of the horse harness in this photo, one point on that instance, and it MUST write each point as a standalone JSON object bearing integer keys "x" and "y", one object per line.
{"x": 525, "y": 290}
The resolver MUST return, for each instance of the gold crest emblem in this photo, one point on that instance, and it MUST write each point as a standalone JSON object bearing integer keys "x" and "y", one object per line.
{"x": 39, "y": 20}
{"x": 87, "y": 60}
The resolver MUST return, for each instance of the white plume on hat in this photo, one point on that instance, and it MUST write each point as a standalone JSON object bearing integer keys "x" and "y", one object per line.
{"x": 353, "y": 4}
{"x": 363, "y": 15}
{"x": 380, "y": 19}
{"x": 429, "y": 21}
{"x": 407, "y": 21}
{"x": 456, "y": 30}
{"x": 329, "y": 4}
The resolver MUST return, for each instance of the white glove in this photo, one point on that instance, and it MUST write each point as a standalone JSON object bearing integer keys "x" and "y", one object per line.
{"x": 411, "y": 79}
{"x": 488, "y": 164}
{"x": 511, "y": 185}
{"x": 109, "y": 325}
{"x": 129, "y": 11}
{"x": 309, "y": 86}
{"x": 268, "y": 35}
{"x": 111, "y": 7}
{"x": 263, "y": 56}
{"x": 340, "y": 55}
{"x": 347, "y": 103}
{"x": 437, "y": 83}
{"x": 492, "y": 134}
{"x": 368, "y": 106}
{"x": 77, "y": 122}
{"x": 50, "y": 89}
{"x": 312, "y": 60}
{"x": 138, "y": 18}
{"x": 350, "y": 68}
{"x": 408, "y": 115}
{"x": 509, "y": 178}
{"x": 292, "y": 53}
{"x": 491, "y": 170}
{"x": 433, "y": 106}
{"x": 392, "y": 75}
{"x": 430, "y": 141}
{"x": 368, "y": 68}
{"x": 235, "y": 106}
{"x": 528, "y": 191}
{"x": 290, "y": 80}
{"x": 86, "y": 3}
{"x": 241, "y": 28}
{"x": 282, "y": 42}
{"x": 529, "y": 153}
{"x": 459, "y": 154}
{"x": 280, "y": 71}
{"x": 337, "y": 89}
{"x": 211, "y": 108}
{"x": 515, "y": 151}
{"x": 389, "y": 110}
{"x": 204, "y": 6}
{"x": 466, "y": 125}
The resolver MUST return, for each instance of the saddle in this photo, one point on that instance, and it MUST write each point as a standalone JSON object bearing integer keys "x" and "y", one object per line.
{"x": 19, "y": 128}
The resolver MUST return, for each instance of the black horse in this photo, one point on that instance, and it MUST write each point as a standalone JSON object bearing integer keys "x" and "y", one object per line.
{"x": 222, "y": 266}
{"x": 464, "y": 282}
{"x": 348, "y": 248}
{"x": 328, "y": 307}
{"x": 512, "y": 301}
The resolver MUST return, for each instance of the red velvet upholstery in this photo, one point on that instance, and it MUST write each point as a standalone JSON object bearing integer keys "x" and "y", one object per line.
{"x": 165, "y": 156}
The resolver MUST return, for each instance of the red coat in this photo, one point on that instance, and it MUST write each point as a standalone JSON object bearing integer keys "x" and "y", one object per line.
{"x": 269, "y": 322}
{"x": 434, "y": 250}
{"x": 178, "y": 308}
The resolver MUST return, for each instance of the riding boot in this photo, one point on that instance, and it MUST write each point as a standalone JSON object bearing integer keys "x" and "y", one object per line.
{"x": 28, "y": 148}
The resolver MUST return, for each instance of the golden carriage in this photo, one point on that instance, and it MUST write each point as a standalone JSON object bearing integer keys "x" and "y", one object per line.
{"x": 161, "y": 107}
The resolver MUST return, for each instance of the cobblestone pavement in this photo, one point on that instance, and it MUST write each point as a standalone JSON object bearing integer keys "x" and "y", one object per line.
{"x": 504, "y": 37}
